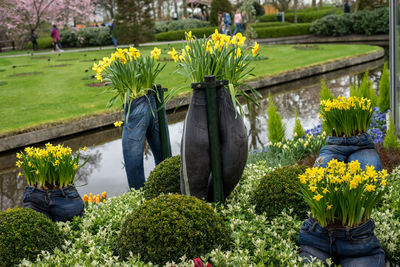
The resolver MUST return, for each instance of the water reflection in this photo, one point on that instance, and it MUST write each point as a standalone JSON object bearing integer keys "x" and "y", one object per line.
{"x": 105, "y": 168}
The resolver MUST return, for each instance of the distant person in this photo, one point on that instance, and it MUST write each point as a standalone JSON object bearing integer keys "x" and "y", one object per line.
{"x": 220, "y": 22}
{"x": 346, "y": 6}
{"x": 112, "y": 35}
{"x": 238, "y": 22}
{"x": 55, "y": 35}
{"x": 227, "y": 23}
{"x": 34, "y": 40}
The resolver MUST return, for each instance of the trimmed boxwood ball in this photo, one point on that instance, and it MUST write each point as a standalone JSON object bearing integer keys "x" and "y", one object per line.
{"x": 164, "y": 178}
{"x": 279, "y": 190}
{"x": 24, "y": 233}
{"x": 169, "y": 226}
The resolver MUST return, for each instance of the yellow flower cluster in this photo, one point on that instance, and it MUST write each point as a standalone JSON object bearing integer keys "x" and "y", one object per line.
{"x": 118, "y": 123}
{"x": 95, "y": 198}
{"x": 342, "y": 103}
{"x": 342, "y": 192}
{"x": 56, "y": 152}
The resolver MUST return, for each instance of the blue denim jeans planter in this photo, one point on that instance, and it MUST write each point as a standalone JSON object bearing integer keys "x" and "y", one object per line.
{"x": 349, "y": 149}
{"x": 354, "y": 247}
{"x": 59, "y": 205}
{"x": 142, "y": 124}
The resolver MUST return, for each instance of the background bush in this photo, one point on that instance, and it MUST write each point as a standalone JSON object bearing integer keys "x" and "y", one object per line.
{"x": 174, "y": 25}
{"x": 164, "y": 178}
{"x": 361, "y": 22}
{"x": 279, "y": 190}
{"x": 306, "y": 15}
{"x": 93, "y": 36}
{"x": 43, "y": 43}
{"x": 167, "y": 227}
{"x": 24, "y": 233}
{"x": 264, "y": 31}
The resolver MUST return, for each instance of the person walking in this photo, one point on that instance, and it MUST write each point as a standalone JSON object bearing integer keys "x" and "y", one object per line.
{"x": 227, "y": 23}
{"x": 34, "y": 40}
{"x": 238, "y": 22}
{"x": 346, "y": 6}
{"x": 55, "y": 35}
{"x": 111, "y": 34}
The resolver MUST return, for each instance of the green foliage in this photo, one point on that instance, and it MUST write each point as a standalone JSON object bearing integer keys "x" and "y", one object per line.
{"x": 219, "y": 6}
{"x": 298, "y": 130}
{"x": 275, "y": 126}
{"x": 167, "y": 227}
{"x": 175, "y": 25}
{"x": 384, "y": 90}
{"x": 269, "y": 24}
{"x": 259, "y": 8}
{"x": 325, "y": 94}
{"x": 282, "y": 31}
{"x": 361, "y": 22}
{"x": 134, "y": 22}
{"x": 303, "y": 16}
{"x": 264, "y": 31}
{"x": 164, "y": 178}
{"x": 92, "y": 36}
{"x": 279, "y": 190}
{"x": 24, "y": 233}
{"x": 391, "y": 141}
{"x": 365, "y": 90}
{"x": 43, "y": 43}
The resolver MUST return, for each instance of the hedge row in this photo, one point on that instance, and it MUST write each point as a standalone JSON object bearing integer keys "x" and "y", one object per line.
{"x": 86, "y": 37}
{"x": 175, "y": 25}
{"x": 43, "y": 43}
{"x": 269, "y": 24}
{"x": 362, "y": 22}
{"x": 302, "y": 16}
{"x": 262, "y": 32}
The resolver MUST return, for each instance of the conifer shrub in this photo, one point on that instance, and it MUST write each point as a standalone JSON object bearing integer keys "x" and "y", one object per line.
{"x": 384, "y": 90}
{"x": 169, "y": 226}
{"x": 164, "y": 178}
{"x": 275, "y": 126}
{"x": 24, "y": 233}
{"x": 279, "y": 190}
{"x": 365, "y": 90}
{"x": 391, "y": 141}
{"x": 298, "y": 130}
{"x": 325, "y": 94}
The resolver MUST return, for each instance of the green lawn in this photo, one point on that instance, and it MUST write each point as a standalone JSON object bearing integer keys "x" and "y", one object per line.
{"x": 60, "y": 92}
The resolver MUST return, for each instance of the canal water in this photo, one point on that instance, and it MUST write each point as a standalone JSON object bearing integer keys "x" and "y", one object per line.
{"x": 105, "y": 168}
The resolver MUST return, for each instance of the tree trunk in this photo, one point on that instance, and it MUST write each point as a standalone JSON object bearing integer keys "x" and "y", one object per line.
{"x": 295, "y": 10}
{"x": 159, "y": 5}
{"x": 184, "y": 3}
{"x": 314, "y": 3}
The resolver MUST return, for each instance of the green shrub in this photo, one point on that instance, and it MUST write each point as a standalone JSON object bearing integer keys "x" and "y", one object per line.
{"x": 180, "y": 35}
{"x": 361, "y": 22}
{"x": 24, "y": 233}
{"x": 278, "y": 190}
{"x": 43, "y": 43}
{"x": 164, "y": 178}
{"x": 303, "y": 16}
{"x": 219, "y": 6}
{"x": 289, "y": 30}
{"x": 325, "y": 94}
{"x": 391, "y": 141}
{"x": 269, "y": 24}
{"x": 93, "y": 36}
{"x": 298, "y": 130}
{"x": 384, "y": 90}
{"x": 175, "y": 25}
{"x": 167, "y": 227}
{"x": 275, "y": 126}
{"x": 365, "y": 90}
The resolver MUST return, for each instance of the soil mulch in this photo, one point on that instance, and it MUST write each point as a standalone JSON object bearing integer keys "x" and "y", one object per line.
{"x": 67, "y": 59}
{"x": 102, "y": 84}
{"x": 58, "y": 66}
{"x": 39, "y": 57}
{"x": 390, "y": 158}
{"x": 25, "y": 74}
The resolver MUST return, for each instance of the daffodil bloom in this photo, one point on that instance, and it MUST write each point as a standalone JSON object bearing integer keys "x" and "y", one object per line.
{"x": 174, "y": 55}
{"x": 318, "y": 197}
{"x": 118, "y": 123}
{"x": 329, "y": 207}
{"x": 155, "y": 53}
{"x": 255, "y": 49}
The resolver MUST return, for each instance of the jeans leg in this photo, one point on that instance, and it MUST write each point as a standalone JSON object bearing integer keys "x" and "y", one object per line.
{"x": 377, "y": 260}
{"x": 328, "y": 153}
{"x": 59, "y": 44}
{"x": 241, "y": 28}
{"x": 367, "y": 157}
{"x": 114, "y": 41}
{"x": 153, "y": 134}
{"x": 133, "y": 138}
{"x": 236, "y": 28}
{"x": 55, "y": 46}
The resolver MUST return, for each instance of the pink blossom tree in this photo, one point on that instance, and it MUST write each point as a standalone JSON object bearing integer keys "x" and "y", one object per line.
{"x": 19, "y": 17}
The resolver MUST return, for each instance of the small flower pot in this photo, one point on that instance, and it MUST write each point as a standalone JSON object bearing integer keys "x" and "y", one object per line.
{"x": 195, "y": 145}
{"x": 347, "y": 149}
{"x": 355, "y": 247}
{"x": 58, "y": 204}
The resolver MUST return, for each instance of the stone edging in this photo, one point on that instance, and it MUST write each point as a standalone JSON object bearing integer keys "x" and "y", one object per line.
{"x": 96, "y": 121}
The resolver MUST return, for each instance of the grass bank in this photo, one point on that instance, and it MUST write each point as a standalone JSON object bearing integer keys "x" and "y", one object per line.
{"x": 42, "y": 89}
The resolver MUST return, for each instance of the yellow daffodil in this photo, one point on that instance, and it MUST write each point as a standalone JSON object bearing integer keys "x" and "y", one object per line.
{"x": 118, "y": 123}
{"x": 255, "y": 49}
{"x": 174, "y": 55}
{"x": 155, "y": 53}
